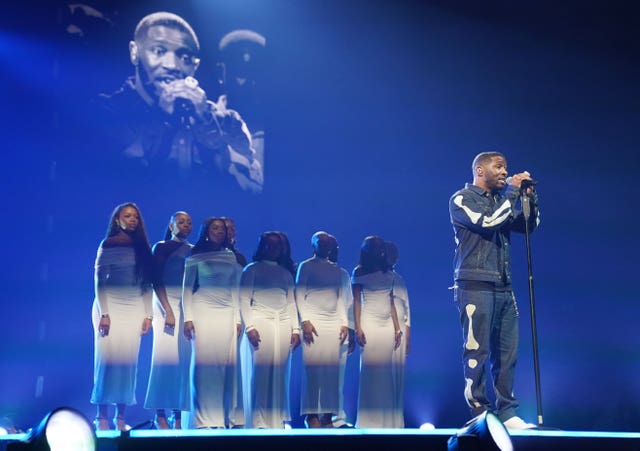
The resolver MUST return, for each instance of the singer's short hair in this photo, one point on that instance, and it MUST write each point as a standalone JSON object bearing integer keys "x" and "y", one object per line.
{"x": 316, "y": 238}
{"x": 166, "y": 19}
{"x": 483, "y": 158}
{"x": 238, "y": 37}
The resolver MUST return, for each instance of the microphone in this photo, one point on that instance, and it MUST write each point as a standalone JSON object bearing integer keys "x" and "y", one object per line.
{"x": 524, "y": 184}
{"x": 184, "y": 108}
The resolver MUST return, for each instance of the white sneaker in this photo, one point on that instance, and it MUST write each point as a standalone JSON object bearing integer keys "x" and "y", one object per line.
{"x": 517, "y": 423}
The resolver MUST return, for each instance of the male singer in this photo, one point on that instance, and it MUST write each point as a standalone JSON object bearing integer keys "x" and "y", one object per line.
{"x": 161, "y": 116}
{"x": 483, "y": 215}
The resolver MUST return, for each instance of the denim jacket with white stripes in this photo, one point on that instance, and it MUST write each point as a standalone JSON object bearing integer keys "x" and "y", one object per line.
{"x": 482, "y": 223}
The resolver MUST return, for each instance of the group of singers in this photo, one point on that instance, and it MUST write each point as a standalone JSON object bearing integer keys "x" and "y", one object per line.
{"x": 211, "y": 311}
{"x": 224, "y": 329}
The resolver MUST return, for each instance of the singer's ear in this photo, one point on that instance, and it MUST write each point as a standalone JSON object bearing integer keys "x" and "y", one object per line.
{"x": 133, "y": 52}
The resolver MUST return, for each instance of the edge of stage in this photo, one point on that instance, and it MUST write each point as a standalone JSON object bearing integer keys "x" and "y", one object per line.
{"x": 341, "y": 439}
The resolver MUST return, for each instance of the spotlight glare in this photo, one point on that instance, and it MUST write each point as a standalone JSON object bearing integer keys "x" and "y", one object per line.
{"x": 66, "y": 430}
{"x": 427, "y": 426}
{"x": 7, "y": 427}
{"x": 63, "y": 429}
{"x": 485, "y": 432}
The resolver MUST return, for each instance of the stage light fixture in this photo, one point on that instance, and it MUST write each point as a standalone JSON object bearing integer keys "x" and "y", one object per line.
{"x": 483, "y": 433}
{"x": 62, "y": 429}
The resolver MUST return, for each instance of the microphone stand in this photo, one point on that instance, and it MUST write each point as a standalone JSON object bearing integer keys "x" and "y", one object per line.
{"x": 526, "y": 211}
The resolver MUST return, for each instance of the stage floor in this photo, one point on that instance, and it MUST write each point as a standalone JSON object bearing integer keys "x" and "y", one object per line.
{"x": 343, "y": 439}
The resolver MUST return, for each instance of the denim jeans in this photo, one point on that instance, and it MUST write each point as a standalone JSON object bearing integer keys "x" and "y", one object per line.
{"x": 490, "y": 331}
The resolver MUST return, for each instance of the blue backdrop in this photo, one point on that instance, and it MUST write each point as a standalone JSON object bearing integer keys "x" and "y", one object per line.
{"x": 374, "y": 111}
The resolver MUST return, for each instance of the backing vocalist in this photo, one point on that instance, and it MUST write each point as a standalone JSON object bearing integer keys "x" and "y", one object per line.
{"x": 483, "y": 215}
